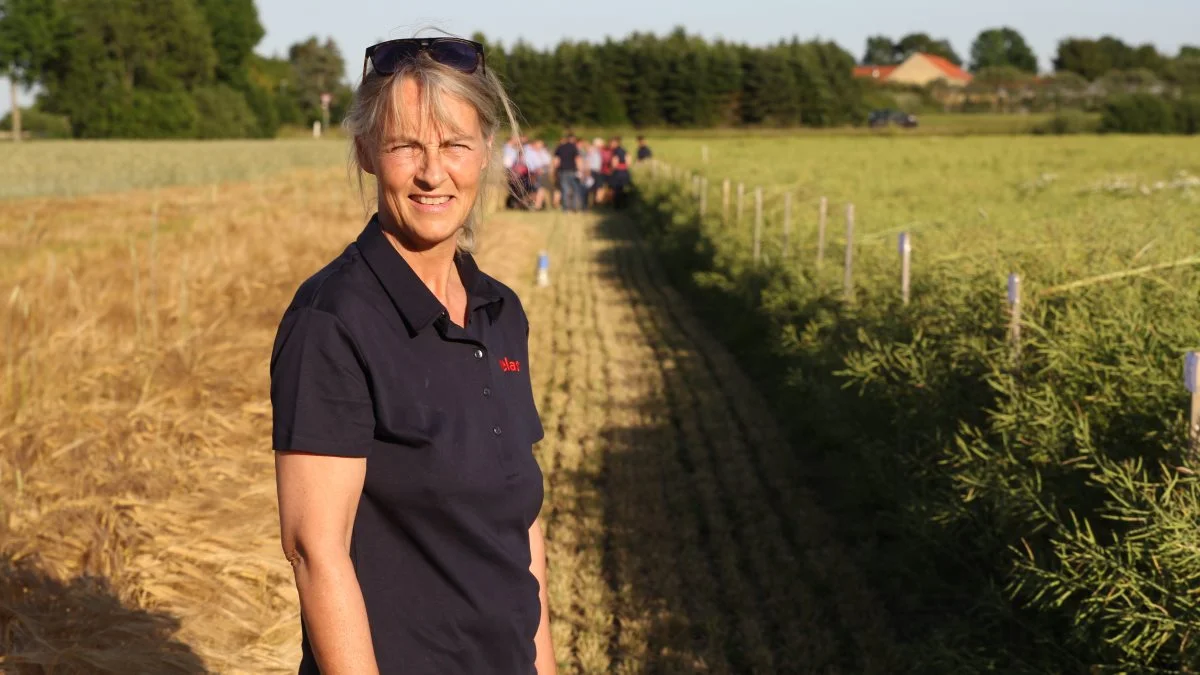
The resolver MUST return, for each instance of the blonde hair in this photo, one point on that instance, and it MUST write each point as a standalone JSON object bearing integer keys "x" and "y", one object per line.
{"x": 375, "y": 105}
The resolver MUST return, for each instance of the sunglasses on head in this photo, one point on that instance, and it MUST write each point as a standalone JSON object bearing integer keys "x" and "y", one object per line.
{"x": 462, "y": 55}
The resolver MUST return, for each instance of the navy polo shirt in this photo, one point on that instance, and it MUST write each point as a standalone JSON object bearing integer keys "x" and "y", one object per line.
{"x": 367, "y": 363}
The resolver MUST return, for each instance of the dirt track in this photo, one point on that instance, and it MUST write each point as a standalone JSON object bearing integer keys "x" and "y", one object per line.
{"x": 677, "y": 542}
{"x": 138, "y": 485}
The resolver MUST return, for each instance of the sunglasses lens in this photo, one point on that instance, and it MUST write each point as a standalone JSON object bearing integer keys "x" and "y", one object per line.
{"x": 388, "y": 56}
{"x": 458, "y": 55}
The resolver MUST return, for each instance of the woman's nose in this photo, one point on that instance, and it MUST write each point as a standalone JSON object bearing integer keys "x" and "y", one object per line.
{"x": 431, "y": 172}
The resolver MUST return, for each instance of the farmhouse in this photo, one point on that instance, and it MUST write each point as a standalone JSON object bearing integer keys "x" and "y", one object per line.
{"x": 919, "y": 69}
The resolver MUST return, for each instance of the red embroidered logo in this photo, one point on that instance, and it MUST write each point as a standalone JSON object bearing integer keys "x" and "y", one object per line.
{"x": 507, "y": 365}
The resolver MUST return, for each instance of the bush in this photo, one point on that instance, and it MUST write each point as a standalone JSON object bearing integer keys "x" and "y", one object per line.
{"x": 222, "y": 112}
{"x": 1068, "y": 122}
{"x": 1138, "y": 114}
{"x": 1187, "y": 115}
{"x": 39, "y": 124}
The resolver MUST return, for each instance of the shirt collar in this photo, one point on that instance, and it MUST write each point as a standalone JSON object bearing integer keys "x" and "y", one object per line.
{"x": 417, "y": 305}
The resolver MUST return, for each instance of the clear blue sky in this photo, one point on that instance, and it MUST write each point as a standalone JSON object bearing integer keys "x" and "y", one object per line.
{"x": 354, "y": 24}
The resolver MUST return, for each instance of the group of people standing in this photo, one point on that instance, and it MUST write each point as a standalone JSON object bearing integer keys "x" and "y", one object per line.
{"x": 577, "y": 175}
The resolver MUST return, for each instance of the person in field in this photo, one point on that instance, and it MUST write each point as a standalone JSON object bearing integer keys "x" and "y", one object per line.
{"x": 404, "y": 418}
{"x": 619, "y": 179}
{"x": 643, "y": 152}
{"x": 540, "y": 168}
{"x": 567, "y": 165}
{"x": 595, "y": 165}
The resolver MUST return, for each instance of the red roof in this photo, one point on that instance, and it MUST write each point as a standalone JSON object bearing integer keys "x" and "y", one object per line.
{"x": 877, "y": 72}
{"x": 948, "y": 68}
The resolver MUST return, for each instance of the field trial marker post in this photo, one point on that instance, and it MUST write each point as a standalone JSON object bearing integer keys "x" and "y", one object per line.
{"x": 1014, "y": 309}
{"x": 848, "y": 280}
{"x": 758, "y": 224}
{"x": 1191, "y": 379}
{"x": 741, "y": 195}
{"x": 905, "y": 265}
{"x": 821, "y": 232}
{"x": 725, "y": 201}
{"x": 703, "y": 196}
{"x": 787, "y": 223}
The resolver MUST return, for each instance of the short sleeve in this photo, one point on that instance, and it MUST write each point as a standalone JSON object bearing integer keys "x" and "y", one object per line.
{"x": 319, "y": 394}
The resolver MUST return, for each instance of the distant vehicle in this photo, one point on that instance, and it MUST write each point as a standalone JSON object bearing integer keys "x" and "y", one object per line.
{"x": 882, "y": 118}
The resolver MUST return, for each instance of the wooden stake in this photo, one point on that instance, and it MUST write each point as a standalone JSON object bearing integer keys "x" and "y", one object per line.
{"x": 1014, "y": 309}
{"x": 821, "y": 232}
{"x": 703, "y": 196}
{"x": 905, "y": 265}
{"x": 725, "y": 201}
{"x": 848, "y": 280}
{"x": 787, "y": 223}
{"x": 741, "y": 195}
{"x": 758, "y": 225}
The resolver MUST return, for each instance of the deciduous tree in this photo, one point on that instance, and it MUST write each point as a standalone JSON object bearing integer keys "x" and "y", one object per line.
{"x": 921, "y": 42}
{"x": 1002, "y": 47}
{"x": 29, "y": 38}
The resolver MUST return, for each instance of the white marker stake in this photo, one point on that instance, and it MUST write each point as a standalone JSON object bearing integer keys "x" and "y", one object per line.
{"x": 1014, "y": 306}
{"x": 1191, "y": 379}
{"x": 741, "y": 196}
{"x": 905, "y": 265}
{"x": 821, "y": 232}
{"x": 758, "y": 224}
{"x": 725, "y": 201}
{"x": 703, "y": 196}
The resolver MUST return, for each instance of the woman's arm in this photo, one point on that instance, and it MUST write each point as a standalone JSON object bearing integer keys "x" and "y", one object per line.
{"x": 318, "y": 497}
{"x": 545, "y": 646}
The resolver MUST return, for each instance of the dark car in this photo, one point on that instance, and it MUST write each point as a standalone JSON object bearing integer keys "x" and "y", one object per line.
{"x": 883, "y": 118}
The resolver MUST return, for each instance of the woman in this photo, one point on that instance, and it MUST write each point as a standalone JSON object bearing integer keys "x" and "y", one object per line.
{"x": 403, "y": 413}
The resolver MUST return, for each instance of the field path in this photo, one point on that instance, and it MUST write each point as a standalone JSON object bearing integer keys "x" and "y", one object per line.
{"x": 679, "y": 539}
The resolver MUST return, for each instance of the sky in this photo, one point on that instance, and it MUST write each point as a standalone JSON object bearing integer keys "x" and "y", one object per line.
{"x": 354, "y": 24}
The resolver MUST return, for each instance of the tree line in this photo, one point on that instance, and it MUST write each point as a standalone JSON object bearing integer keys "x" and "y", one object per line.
{"x": 163, "y": 68}
{"x": 186, "y": 68}
{"x": 682, "y": 81}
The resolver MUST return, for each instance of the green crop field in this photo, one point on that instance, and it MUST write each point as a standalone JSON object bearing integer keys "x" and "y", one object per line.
{"x": 1026, "y": 508}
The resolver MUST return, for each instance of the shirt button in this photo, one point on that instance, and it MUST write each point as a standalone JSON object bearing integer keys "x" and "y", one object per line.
{"x": 479, "y": 353}
{"x": 496, "y": 430}
{"x": 487, "y": 391}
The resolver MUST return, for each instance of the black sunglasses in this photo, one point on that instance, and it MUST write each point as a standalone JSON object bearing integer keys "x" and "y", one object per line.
{"x": 462, "y": 55}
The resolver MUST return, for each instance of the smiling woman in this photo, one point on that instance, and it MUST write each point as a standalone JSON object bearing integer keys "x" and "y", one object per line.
{"x": 429, "y": 558}
{"x": 426, "y": 115}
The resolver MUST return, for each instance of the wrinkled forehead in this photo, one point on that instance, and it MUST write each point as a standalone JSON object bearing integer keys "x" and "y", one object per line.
{"x": 421, "y": 109}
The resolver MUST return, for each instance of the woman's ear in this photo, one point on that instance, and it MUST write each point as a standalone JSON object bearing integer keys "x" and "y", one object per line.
{"x": 366, "y": 159}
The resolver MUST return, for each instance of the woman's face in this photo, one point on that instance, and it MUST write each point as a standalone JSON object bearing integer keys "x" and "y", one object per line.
{"x": 429, "y": 176}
